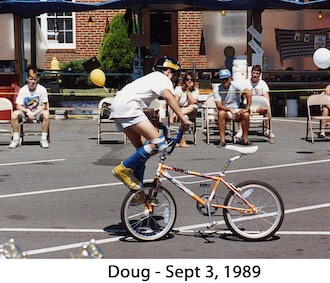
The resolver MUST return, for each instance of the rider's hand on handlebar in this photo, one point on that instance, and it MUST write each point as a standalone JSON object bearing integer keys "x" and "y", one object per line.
{"x": 186, "y": 124}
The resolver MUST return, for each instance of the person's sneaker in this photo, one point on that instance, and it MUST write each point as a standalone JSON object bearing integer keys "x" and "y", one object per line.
{"x": 239, "y": 134}
{"x": 14, "y": 144}
{"x": 126, "y": 175}
{"x": 44, "y": 144}
{"x": 269, "y": 134}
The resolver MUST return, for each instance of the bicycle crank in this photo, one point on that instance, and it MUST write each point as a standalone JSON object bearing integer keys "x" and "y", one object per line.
{"x": 203, "y": 209}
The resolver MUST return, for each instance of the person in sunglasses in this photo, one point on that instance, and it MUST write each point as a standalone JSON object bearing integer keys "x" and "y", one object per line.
{"x": 229, "y": 102}
{"x": 187, "y": 95}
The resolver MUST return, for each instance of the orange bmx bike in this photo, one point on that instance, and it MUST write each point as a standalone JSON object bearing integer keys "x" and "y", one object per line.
{"x": 252, "y": 210}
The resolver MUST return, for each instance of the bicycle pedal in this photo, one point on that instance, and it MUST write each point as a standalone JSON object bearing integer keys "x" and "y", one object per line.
{"x": 210, "y": 225}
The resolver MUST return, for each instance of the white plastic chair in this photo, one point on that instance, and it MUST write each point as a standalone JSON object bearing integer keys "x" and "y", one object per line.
{"x": 28, "y": 128}
{"x": 316, "y": 100}
{"x": 211, "y": 120}
{"x": 105, "y": 126}
{"x": 258, "y": 120}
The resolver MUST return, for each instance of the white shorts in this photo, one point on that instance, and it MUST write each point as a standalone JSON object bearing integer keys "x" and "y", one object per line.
{"x": 230, "y": 115}
{"x": 123, "y": 123}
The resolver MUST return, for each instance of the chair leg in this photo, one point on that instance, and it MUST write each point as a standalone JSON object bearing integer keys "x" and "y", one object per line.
{"x": 232, "y": 131}
{"x": 311, "y": 131}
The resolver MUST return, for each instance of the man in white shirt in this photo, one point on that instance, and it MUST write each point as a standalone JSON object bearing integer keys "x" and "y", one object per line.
{"x": 259, "y": 88}
{"x": 31, "y": 104}
{"x": 228, "y": 100}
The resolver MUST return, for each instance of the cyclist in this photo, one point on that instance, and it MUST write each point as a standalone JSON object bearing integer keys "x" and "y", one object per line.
{"x": 127, "y": 111}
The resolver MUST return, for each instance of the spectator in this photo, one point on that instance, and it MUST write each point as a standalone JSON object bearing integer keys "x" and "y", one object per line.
{"x": 228, "y": 100}
{"x": 259, "y": 88}
{"x": 31, "y": 104}
{"x": 187, "y": 96}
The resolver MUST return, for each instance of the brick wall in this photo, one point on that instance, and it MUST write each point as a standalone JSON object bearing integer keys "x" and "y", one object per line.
{"x": 88, "y": 39}
{"x": 189, "y": 39}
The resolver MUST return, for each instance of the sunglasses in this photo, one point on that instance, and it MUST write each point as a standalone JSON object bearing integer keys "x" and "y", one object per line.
{"x": 189, "y": 80}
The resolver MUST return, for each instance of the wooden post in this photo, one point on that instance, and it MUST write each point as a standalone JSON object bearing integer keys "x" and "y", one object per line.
{"x": 18, "y": 48}
{"x": 254, "y": 19}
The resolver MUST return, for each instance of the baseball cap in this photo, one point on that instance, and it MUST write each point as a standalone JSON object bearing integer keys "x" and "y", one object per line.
{"x": 224, "y": 74}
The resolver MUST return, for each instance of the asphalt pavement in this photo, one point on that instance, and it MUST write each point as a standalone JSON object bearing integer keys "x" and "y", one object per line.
{"x": 54, "y": 200}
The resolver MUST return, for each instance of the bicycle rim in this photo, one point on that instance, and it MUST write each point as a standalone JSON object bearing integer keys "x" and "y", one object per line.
{"x": 143, "y": 222}
{"x": 268, "y": 216}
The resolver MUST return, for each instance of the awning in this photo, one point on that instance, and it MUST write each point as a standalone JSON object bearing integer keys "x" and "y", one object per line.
{"x": 31, "y": 8}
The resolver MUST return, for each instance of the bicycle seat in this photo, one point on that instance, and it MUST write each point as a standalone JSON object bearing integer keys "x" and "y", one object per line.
{"x": 243, "y": 149}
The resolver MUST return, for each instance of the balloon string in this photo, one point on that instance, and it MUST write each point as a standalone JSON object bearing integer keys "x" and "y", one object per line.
{"x": 105, "y": 88}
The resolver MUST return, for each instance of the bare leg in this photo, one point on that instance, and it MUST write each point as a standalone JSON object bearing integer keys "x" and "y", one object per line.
{"x": 324, "y": 122}
{"x": 222, "y": 119}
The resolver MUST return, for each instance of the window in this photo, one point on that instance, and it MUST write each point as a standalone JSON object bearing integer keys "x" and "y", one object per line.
{"x": 58, "y": 29}
{"x": 160, "y": 28}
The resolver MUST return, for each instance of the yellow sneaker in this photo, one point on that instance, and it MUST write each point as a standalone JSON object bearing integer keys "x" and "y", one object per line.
{"x": 126, "y": 175}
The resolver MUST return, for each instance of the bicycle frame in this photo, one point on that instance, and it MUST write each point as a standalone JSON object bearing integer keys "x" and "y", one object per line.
{"x": 163, "y": 171}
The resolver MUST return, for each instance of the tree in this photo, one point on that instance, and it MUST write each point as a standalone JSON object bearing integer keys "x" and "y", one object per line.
{"x": 115, "y": 52}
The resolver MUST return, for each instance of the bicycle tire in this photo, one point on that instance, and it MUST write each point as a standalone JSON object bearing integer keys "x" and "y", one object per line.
{"x": 268, "y": 217}
{"x": 142, "y": 224}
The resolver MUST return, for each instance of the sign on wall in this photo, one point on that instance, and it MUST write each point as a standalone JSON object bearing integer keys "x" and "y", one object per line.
{"x": 300, "y": 43}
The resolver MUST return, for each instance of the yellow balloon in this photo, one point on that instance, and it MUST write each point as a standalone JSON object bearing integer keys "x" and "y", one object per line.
{"x": 98, "y": 77}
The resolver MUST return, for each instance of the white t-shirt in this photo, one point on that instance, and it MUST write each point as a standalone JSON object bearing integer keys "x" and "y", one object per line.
{"x": 232, "y": 97}
{"x": 130, "y": 100}
{"x": 258, "y": 88}
{"x": 183, "y": 95}
{"x": 32, "y": 99}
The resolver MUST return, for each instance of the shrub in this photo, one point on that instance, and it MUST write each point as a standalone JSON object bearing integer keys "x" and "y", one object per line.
{"x": 115, "y": 52}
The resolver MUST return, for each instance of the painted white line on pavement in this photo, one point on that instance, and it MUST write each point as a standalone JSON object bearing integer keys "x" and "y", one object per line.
{"x": 184, "y": 229}
{"x": 177, "y": 177}
{"x": 31, "y": 162}
{"x": 59, "y": 190}
{"x": 71, "y": 246}
{"x": 51, "y": 230}
{"x": 287, "y": 211}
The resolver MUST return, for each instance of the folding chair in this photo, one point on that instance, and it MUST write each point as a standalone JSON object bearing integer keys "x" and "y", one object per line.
{"x": 258, "y": 120}
{"x": 211, "y": 121}
{"x": 318, "y": 100}
{"x": 105, "y": 126}
{"x": 28, "y": 129}
{"x": 192, "y": 130}
{"x": 6, "y": 109}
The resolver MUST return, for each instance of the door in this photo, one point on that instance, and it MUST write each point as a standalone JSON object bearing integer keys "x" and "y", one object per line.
{"x": 163, "y": 30}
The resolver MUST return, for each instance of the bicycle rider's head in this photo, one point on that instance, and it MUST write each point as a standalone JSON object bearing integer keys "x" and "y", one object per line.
{"x": 169, "y": 66}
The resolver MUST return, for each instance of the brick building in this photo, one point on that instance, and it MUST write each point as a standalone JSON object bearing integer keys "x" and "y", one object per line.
{"x": 186, "y": 25}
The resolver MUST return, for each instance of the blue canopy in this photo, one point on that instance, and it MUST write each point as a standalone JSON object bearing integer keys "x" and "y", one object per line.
{"x": 31, "y": 8}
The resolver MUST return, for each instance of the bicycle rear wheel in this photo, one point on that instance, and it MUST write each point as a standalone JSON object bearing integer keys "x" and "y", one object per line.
{"x": 148, "y": 220}
{"x": 267, "y": 218}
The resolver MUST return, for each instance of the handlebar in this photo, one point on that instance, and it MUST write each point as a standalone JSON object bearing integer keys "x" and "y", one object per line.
{"x": 171, "y": 141}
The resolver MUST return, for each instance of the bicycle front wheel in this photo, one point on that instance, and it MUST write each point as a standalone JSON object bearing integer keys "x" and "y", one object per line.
{"x": 148, "y": 215}
{"x": 267, "y": 217}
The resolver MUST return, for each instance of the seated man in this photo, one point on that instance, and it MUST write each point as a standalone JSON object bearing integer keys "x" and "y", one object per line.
{"x": 325, "y": 112}
{"x": 228, "y": 100}
{"x": 31, "y": 104}
{"x": 259, "y": 88}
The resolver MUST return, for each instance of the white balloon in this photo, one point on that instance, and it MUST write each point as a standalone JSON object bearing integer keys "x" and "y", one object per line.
{"x": 321, "y": 58}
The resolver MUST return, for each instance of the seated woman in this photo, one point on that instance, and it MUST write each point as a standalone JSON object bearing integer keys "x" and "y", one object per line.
{"x": 187, "y": 96}
{"x": 325, "y": 112}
